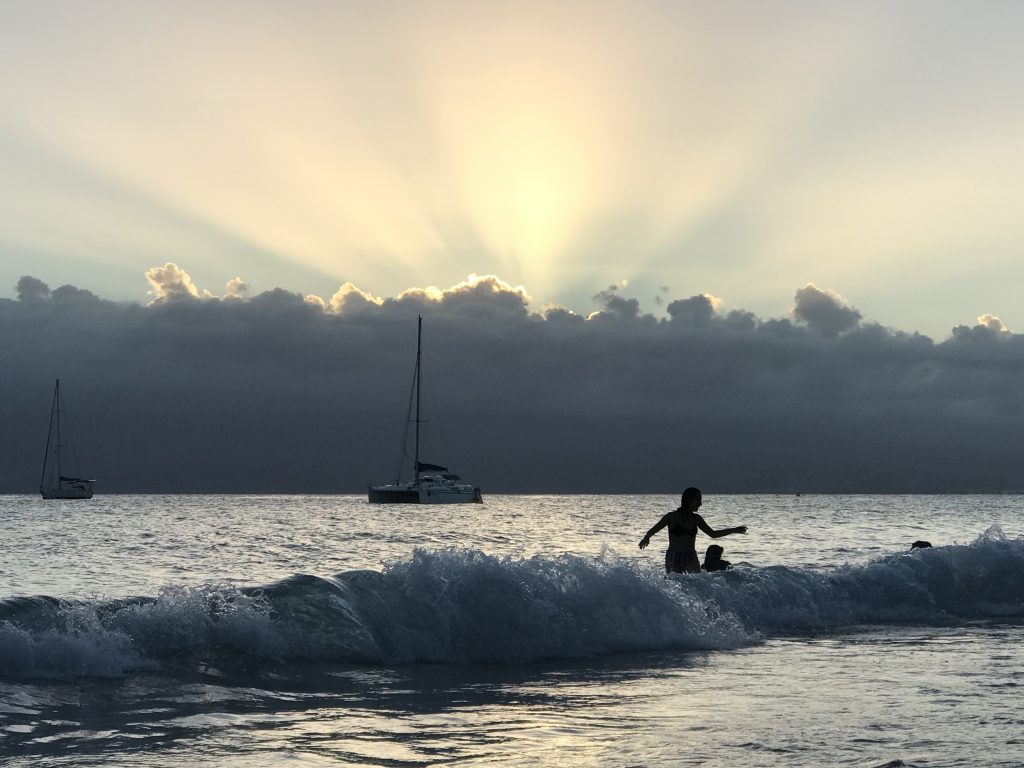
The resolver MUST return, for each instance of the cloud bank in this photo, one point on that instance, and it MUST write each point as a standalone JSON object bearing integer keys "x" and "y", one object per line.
{"x": 283, "y": 392}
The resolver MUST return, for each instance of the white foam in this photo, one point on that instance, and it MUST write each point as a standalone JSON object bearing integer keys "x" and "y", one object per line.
{"x": 464, "y": 606}
{"x": 76, "y": 646}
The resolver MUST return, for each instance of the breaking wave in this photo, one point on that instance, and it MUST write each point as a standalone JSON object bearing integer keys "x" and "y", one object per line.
{"x": 466, "y": 607}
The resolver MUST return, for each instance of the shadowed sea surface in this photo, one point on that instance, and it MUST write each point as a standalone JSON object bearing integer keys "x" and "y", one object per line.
{"x": 530, "y": 630}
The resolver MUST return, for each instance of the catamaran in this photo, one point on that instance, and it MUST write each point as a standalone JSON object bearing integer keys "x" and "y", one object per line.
{"x": 54, "y": 484}
{"x": 430, "y": 483}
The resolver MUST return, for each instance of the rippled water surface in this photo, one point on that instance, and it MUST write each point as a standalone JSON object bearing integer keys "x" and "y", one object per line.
{"x": 250, "y": 631}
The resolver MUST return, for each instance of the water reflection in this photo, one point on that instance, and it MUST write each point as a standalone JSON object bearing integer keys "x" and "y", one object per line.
{"x": 406, "y": 716}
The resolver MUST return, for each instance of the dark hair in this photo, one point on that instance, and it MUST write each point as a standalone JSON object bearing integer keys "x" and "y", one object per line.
{"x": 690, "y": 494}
{"x": 713, "y": 559}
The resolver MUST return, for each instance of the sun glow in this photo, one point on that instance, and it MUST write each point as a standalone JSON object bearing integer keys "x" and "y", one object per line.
{"x": 559, "y": 145}
{"x": 526, "y": 160}
{"x": 476, "y": 142}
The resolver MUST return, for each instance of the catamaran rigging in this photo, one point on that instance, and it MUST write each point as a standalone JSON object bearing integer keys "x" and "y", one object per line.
{"x": 431, "y": 483}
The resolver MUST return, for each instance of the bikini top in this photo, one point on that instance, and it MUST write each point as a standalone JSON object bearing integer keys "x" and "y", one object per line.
{"x": 679, "y": 529}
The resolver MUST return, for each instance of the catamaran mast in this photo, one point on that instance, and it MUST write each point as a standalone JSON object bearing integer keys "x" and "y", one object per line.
{"x": 419, "y": 337}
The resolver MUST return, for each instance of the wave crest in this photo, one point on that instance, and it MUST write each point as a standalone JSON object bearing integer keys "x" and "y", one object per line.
{"x": 464, "y": 606}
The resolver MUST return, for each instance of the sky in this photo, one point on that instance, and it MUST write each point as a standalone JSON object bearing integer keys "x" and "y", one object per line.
{"x": 733, "y": 148}
{"x": 773, "y": 245}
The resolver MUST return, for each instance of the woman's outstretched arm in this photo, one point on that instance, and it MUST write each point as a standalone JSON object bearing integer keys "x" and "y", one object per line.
{"x": 718, "y": 534}
{"x": 657, "y": 527}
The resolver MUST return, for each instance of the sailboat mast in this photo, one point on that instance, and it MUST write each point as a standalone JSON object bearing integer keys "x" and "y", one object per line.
{"x": 49, "y": 435}
{"x": 419, "y": 338}
{"x": 56, "y": 399}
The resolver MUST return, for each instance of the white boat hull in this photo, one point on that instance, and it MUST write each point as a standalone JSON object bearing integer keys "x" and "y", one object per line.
{"x": 425, "y": 492}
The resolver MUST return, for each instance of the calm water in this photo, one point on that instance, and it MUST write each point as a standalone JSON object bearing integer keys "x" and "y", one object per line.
{"x": 250, "y": 631}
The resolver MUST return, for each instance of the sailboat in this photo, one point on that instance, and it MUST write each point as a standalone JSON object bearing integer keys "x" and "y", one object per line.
{"x": 54, "y": 484}
{"x": 430, "y": 483}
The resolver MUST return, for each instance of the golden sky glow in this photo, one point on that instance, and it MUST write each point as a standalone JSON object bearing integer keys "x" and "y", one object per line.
{"x": 732, "y": 148}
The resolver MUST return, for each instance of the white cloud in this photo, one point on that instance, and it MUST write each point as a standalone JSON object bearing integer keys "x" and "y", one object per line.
{"x": 236, "y": 288}
{"x": 349, "y": 298}
{"x": 172, "y": 283}
{"x": 993, "y": 323}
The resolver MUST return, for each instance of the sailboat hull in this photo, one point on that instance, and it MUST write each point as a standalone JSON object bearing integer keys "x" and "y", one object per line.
{"x": 80, "y": 490}
{"x": 424, "y": 493}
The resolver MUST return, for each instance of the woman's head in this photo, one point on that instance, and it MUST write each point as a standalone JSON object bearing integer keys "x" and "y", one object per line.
{"x": 691, "y": 498}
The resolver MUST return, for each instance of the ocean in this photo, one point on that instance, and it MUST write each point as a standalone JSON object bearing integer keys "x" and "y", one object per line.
{"x": 529, "y": 631}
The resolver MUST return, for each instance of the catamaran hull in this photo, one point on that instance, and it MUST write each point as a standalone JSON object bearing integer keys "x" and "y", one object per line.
{"x": 399, "y": 495}
{"x": 393, "y": 496}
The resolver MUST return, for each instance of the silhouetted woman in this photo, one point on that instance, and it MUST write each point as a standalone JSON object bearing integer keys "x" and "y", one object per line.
{"x": 683, "y": 524}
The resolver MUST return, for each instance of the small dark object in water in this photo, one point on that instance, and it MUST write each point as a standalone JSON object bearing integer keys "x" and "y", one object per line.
{"x": 920, "y": 545}
{"x": 713, "y": 559}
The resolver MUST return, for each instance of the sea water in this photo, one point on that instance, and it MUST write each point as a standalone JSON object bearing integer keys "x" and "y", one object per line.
{"x": 529, "y": 630}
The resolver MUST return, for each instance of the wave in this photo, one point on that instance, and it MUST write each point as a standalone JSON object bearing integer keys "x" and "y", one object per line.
{"x": 466, "y": 607}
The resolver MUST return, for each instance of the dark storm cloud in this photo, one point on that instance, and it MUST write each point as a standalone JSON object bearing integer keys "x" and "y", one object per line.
{"x": 824, "y": 311}
{"x": 284, "y": 392}
{"x": 696, "y": 310}
{"x": 612, "y": 304}
{"x": 32, "y": 289}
